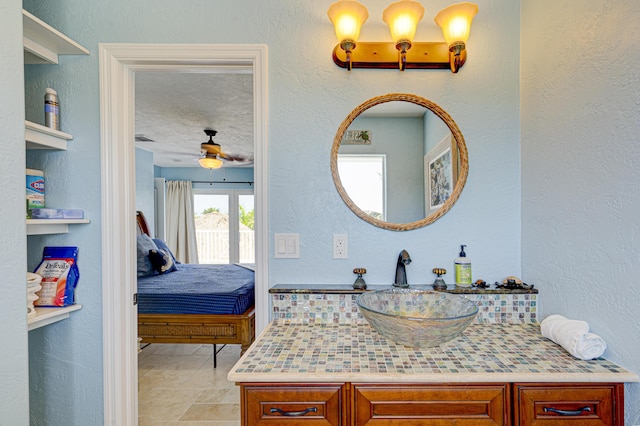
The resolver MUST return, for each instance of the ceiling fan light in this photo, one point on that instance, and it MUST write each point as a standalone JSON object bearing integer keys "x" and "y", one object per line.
{"x": 210, "y": 162}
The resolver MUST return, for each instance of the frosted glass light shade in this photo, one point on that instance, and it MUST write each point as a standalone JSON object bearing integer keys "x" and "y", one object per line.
{"x": 455, "y": 21}
{"x": 347, "y": 17}
{"x": 210, "y": 163}
{"x": 402, "y": 17}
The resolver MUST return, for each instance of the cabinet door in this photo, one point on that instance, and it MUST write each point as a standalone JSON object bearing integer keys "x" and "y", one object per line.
{"x": 413, "y": 405}
{"x": 295, "y": 404}
{"x": 592, "y": 404}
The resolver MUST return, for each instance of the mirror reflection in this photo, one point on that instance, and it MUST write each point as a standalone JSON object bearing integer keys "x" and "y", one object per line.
{"x": 398, "y": 162}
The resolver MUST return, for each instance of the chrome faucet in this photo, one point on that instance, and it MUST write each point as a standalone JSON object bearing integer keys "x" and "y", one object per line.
{"x": 401, "y": 272}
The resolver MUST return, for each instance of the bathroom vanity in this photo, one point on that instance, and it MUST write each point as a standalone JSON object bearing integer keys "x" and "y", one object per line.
{"x": 320, "y": 363}
{"x": 498, "y": 374}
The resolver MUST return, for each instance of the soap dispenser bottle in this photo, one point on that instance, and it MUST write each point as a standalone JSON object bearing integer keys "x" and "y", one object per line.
{"x": 462, "y": 269}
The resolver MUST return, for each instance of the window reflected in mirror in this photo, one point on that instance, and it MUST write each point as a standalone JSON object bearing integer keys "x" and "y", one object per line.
{"x": 364, "y": 178}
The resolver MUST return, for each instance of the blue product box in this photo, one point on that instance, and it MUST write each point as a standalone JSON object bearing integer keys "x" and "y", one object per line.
{"x": 46, "y": 213}
{"x": 72, "y": 214}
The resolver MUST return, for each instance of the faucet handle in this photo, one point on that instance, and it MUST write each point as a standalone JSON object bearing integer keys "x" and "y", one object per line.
{"x": 439, "y": 283}
{"x": 439, "y": 271}
{"x": 359, "y": 284}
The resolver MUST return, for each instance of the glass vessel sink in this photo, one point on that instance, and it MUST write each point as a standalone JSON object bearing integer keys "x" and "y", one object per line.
{"x": 417, "y": 318}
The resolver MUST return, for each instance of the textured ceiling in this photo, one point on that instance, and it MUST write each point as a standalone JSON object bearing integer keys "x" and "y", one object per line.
{"x": 173, "y": 109}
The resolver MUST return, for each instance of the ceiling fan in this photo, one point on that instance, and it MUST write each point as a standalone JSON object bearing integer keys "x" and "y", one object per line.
{"x": 212, "y": 156}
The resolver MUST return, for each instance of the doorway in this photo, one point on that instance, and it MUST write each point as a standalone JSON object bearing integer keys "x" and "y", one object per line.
{"x": 118, "y": 65}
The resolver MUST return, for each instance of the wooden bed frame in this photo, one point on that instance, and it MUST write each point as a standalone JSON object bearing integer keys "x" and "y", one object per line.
{"x": 201, "y": 329}
{"x": 195, "y": 328}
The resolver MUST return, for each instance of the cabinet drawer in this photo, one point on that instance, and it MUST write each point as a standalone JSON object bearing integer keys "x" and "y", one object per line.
{"x": 580, "y": 404}
{"x": 308, "y": 404}
{"x": 412, "y": 405}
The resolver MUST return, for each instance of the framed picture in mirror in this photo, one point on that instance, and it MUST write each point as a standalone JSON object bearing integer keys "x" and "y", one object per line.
{"x": 357, "y": 137}
{"x": 440, "y": 173}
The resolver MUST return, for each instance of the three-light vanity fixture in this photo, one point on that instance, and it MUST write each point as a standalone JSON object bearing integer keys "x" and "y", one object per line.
{"x": 402, "y": 17}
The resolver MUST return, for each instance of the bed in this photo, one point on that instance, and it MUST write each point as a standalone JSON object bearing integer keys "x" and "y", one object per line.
{"x": 204, "y": 304}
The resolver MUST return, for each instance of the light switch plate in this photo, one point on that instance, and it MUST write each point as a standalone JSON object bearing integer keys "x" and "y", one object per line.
{"x": 286, "y": 246}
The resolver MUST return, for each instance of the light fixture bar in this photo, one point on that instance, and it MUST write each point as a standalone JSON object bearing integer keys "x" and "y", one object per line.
{"x": 403, "y": 52}
{"x": 382, "y": 55}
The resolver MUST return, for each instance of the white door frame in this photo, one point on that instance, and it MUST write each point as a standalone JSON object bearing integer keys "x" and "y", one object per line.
{"x": 118, "y": 64}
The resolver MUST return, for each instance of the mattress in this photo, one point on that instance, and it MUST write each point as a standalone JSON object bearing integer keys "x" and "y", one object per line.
{"x": 198, "y": 289}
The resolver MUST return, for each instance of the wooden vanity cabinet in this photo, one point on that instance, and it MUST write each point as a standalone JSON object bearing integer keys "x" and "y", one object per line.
{"x": 584, "y": 404}
{"x": 360, "y": 404}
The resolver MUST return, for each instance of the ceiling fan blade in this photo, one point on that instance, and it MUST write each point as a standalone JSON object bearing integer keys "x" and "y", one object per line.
{"x": 238, "y": 158}
{"x": 211, "y": 147}
{"x": 213, "y": 150}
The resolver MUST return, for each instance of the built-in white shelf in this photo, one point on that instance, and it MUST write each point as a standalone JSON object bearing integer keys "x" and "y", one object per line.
{"x": 38, "y": 136}
{"x": 51, "y": 226}
{"x": 43, "y": 43}
{"x": 46, "y": 316}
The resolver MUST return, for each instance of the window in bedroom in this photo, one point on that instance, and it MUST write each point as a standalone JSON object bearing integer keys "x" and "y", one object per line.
{"x": 224, "y": 226}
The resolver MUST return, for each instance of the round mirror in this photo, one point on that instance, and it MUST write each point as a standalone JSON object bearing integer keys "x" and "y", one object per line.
{"x": 399, "y": 161}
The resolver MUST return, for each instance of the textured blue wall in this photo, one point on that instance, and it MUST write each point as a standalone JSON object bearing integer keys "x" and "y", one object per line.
{"x": 308, "y": 98}
{"x": 580, "y": 174}
{"x": 234, "y": 177}
{"x": 144, "y": 185}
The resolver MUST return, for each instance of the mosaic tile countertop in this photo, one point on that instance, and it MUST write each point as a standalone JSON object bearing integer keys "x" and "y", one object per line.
{"x": 331, "y": 353}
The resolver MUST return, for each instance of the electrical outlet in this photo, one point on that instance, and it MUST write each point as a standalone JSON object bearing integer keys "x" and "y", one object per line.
{"x": 340, "y": 246}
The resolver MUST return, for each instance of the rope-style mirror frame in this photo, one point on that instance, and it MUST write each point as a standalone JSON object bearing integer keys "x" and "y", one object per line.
{"x": 463, "y": 158}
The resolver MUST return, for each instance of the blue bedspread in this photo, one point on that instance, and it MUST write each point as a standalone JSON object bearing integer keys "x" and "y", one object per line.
{"x": 198, "y": 289}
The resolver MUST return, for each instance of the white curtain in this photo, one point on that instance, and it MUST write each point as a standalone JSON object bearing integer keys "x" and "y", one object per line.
{"x": 181, "y": 228}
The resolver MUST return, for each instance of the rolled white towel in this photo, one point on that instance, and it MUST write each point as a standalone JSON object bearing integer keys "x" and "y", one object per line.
{"x": 574, "y": 336}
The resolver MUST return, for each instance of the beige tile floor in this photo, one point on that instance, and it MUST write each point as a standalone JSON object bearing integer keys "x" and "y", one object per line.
{"x": 178, "y": 386}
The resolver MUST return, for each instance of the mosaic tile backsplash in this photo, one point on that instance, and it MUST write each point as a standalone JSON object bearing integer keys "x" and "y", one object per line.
{"x": 323, "y": 308}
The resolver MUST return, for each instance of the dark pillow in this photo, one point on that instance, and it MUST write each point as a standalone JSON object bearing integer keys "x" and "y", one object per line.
{"x": 163, "y": 246}
{"x": 145, "y": 243}
{"x": 162, "y": 261}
